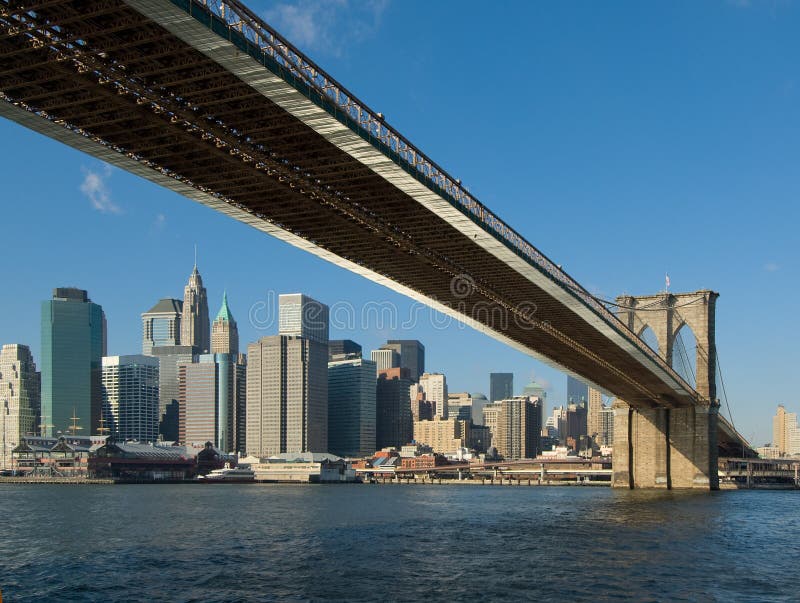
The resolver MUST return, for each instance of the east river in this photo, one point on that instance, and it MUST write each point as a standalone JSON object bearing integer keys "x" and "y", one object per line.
{"x": 394, "y": 543}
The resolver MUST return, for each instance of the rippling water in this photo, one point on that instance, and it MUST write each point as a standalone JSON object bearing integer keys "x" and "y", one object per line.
{"x": 394, "y": 543}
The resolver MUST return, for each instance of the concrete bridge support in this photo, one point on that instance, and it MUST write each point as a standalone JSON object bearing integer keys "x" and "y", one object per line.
{"x": 665, "y": 447}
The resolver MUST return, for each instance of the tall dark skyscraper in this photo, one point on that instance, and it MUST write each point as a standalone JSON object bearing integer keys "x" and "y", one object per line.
{"x": 73, "y": 346}
{"x": 341, "y": 347}
{"x": 577, "y": 390}
{"x": 412, "y": 355}
{"x": 195, "y": 327}
{"x": 501, "y": 386}
{"x": 394, "y": 424}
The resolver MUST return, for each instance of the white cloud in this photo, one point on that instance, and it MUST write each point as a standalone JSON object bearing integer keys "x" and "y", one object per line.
{"x": 771, "y": 267}
{"x": 324, "y": 24}
{"x": 95, "y": 187}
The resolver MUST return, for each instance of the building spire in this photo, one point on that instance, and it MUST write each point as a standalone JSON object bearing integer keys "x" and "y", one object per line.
{"x": 195, "y": 257}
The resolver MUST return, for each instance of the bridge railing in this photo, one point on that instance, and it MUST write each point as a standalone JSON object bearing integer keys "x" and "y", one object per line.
{"x": 245, "y": 26}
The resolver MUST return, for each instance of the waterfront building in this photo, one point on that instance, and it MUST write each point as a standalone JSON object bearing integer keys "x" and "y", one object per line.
{"x": 412, "y": 355}
{"x": 577, "y": 390}
{"x": 302, "y": 316}
{"x": 343, "y": 347}
{"x": 62, "y": 456}
{"x": 351, "y": 407}
{"x": 19, "y": 398}
{"x": 210, "y": 400}
{"x": 385, "y": 359}
{"x": 130, "y": 397}
{"x": 73, "y": 345}
{"x": 287, "y": 396}
{"x": 593, "y": 411}
{"x": 195, "y": 330}
{"x": 459, "y": 406}
{"x": 161, "y": 325}
{"x": 518, "y": 428}
{"x": 394, "y": 426}
{"x": 141, "y": 462}
{"x": 442, "y": 435}
{"x": 224, "y": 332}
{"x": 169, "y": 360}
{"x": 501, "y": 386}
{"x": 434, "y": 385}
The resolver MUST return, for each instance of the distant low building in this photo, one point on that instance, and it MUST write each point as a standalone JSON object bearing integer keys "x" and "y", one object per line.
{"x": 301, "y": 468}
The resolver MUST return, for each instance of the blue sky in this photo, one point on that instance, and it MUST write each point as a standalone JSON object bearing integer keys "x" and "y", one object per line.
{"x": 624, "y": 139}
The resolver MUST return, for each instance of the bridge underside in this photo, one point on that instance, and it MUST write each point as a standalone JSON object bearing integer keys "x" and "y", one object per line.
{"x": 154, "y": 91}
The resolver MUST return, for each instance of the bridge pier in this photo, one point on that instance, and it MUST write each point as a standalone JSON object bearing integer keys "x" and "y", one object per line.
{"x": 665, "y": 447}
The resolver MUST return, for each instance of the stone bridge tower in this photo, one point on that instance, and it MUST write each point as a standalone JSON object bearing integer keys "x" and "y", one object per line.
{"x": 665, "y": 447}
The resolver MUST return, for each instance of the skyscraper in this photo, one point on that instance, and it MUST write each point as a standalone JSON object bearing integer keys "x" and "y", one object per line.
{"x": 170, "y": 357}
{"x": 212, "y": 401}
{"x": 501, "y": 386}
{"x": 161, "y": 325}
{"x": 224, "y": 333}
{"x": 459, "y": 406}
{"x": 302, "y": 316}
{"x": 594, "y": 408}
{"x": 576, "y": 424}
{"x": 785, "y": 432}
{"x": 130, "y": 397}
{"x": 394, "y": 425}
{"x": 287, "y": 396}
{"x": 518, "y": 428}
{"x": 385, "y": 358}
{"x": 434, "y": 385}
{"x": 577, "y": 390}
{"x": 287, "y": 381}
{"x": 19, "y": 398}
{"x": 73, "y": 345}
{"x": 195, "y": 329}
{"x": 351, "y": 407}
{"x": 412, "y": 355}
{"x": 343, "y": 347}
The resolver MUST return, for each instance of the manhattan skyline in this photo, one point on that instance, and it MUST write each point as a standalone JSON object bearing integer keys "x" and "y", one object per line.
{"x": 685, "y": 171}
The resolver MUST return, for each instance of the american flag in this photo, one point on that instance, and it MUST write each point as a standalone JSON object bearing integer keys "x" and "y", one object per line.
{"x": 666, "y": 276}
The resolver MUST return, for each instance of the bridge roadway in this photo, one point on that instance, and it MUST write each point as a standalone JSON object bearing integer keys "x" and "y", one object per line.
{"x": 213, "y": 104}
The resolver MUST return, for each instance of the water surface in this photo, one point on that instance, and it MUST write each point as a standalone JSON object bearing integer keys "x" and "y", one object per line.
{"x": 394, "y": 543}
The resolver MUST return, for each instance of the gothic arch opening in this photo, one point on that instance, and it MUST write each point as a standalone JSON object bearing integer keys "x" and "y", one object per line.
{"x": 649, "y": 337}
{"x": 684, "y": 354}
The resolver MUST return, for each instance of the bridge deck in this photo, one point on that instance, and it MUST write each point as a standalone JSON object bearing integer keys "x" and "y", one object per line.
{"x": 146, "y": 86}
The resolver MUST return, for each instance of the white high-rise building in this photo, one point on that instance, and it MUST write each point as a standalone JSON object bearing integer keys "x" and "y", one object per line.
{"x": 19, "y": 398}
{"x": 302, "y": 316}
{"x": 434, "y": 385}
{"x": 130, "y": 408}
{"x": 385, "y": 358}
